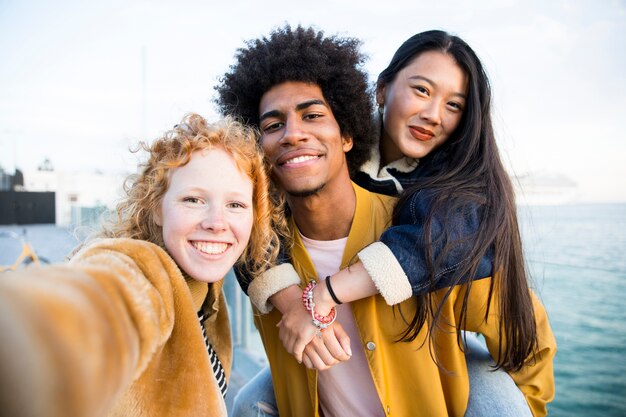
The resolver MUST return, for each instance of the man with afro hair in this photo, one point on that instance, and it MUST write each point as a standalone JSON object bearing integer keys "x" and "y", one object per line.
{"x": 306, "y": 55}
{"x": 308, "y": 96}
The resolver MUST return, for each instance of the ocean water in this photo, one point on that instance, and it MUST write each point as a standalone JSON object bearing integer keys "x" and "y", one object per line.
{"x": 577, "y": 259}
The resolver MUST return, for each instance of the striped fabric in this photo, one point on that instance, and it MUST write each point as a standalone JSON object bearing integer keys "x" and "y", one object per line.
{"x": 218, "y": 369}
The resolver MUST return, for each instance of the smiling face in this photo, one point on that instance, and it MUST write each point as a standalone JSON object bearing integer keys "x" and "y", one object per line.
{"x": 206, "y": 214}
{"x": 423, "y": 106}
{"x": 301, "y": 138}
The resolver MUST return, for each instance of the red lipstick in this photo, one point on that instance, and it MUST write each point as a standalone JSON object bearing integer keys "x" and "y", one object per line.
{"x": 421, "y": 134}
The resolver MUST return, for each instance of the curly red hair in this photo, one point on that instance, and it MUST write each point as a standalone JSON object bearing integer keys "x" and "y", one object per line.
{"x": 135, "y": 215}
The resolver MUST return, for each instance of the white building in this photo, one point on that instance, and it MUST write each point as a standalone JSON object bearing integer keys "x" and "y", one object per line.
{"x": 77, "y": 193}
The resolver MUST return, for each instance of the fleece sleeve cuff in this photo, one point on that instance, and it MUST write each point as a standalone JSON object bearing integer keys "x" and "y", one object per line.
{"x": 386, "y": 272}
{"x": 269, "y": 283}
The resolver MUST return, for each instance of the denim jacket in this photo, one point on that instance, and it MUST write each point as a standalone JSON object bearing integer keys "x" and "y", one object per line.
{"x": 400, "y": 257}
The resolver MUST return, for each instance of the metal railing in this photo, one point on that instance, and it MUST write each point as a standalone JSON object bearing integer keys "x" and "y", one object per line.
{"x": 27, "y": 254}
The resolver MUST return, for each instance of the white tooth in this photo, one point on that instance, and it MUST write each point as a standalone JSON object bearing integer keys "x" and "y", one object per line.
{"x": 211, "y": 248}
{"x": 299, "y": 159}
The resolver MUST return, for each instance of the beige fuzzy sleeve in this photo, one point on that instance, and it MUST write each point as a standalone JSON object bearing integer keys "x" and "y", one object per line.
{"x": 386, "y": 272}
{"x": 269, "y": 283}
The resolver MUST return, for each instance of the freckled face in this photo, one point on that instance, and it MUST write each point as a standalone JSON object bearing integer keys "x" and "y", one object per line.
{"x": 207, "y": 214}
{"x": 423, "y": 106}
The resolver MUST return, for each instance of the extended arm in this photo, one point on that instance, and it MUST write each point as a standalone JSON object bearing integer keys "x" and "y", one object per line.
{"x": 75, "y": 336}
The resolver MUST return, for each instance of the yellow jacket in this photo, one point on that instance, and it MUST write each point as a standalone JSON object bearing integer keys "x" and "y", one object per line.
{"x": 113, "y": 333}
{"x": 407, "y": 380}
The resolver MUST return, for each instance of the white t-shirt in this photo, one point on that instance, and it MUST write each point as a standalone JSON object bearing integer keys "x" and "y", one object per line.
{"x": 346, "y": 389}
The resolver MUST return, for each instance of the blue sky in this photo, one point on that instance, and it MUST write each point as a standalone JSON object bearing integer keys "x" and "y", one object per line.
{"x": 74, "y": 87}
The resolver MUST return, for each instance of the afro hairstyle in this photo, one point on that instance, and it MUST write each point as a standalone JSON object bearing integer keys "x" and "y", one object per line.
{"x": 306, "y": 55}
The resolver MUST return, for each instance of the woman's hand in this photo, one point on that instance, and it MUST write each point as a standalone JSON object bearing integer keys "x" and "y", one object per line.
{"x": 333, "y": 347}
{"x": 296, "y": 328}
{"x": 296, "y": 331}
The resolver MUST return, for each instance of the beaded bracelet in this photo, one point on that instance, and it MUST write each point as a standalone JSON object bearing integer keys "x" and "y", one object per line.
{"x": 319, "y": 321}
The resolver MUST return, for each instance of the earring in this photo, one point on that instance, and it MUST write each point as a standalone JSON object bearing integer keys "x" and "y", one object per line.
{"x": 381, "y": 109}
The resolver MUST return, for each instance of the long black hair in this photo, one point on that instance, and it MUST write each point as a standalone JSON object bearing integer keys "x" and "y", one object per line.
{"x": 466, "y": 171}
